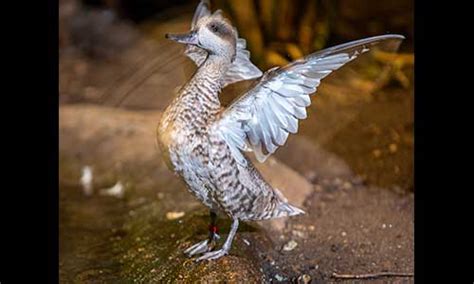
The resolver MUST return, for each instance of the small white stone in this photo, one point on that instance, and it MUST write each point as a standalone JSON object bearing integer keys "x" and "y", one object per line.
{"x": 279, "y": 278}
{"x": 172, "y": 215}
{"x": 347, "y": 185}
{"x": 305, "y": 278}
{"x": 343, "y": 234}
{"x": 289, "y": 246}
{"x": 86, "y": 180}
{"x": 384, "y": 226}
{"x": 116, "y": 191}
{"x": 298, "y": 233}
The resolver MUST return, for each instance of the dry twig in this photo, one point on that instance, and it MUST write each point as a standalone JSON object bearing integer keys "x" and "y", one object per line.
{"x": 371, "y": 275}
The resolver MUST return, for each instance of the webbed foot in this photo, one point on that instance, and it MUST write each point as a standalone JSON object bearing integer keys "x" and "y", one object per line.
{"x": 202, "y": 247}
{"x": 213, "y": 254}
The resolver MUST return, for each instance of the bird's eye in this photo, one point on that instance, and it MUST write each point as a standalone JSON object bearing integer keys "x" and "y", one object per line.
{"x": 214, "y": 28}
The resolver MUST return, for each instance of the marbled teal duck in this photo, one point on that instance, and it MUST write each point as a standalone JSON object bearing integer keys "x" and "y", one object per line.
{"x": 205, "y": 144}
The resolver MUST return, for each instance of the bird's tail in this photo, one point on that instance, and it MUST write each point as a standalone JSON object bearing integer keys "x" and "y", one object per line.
{"x": 284, "y": 209}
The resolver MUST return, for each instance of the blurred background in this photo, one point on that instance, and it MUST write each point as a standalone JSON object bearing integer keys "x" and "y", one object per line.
{"x": 117, "y": 73}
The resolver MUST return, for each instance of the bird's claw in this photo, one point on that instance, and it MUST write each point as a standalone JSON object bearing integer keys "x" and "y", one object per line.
{"x": 202, "y": 247}
{"x": 213, "y": 255}
{"x": 198, "y": 248}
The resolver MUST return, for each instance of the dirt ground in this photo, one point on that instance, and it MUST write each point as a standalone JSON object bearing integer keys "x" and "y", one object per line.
{"x": 350, "y": 168}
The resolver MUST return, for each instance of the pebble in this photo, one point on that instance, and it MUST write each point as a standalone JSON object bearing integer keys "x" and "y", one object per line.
{"x": 116, "y": 191}
{"x": 347, "y": 185}
{"x": 289, "y": 246}
{"x": 343, "y": 234}
{"x": 174, "y": 215}
{"x": 393, "y": 148}
{"x": 297, "y": 233}
{"x": 279, "y": 278}
{"x": 377, "y": 153}
{"x": 305, "y": 279}
{"x": 86, "y": 180}
{"x": 395, "y": 135}
{"x": 397, "y": 169}
{"x": 311, "y": 176}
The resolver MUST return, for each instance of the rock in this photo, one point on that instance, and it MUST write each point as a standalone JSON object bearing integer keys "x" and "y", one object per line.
{"x": 86, "y": 180}
{"x": 291, "y": 245}
{"x": 174, "y": 215}
{"x": 279, "y": 278}
{"x": 346, "y": 185}
{"x": 392, "y": 148}
{"x": 317, "y": 161}
{"x": 377, "y": 153}
{"x": 304, "y": 279}
{"x": 116, "y": 191}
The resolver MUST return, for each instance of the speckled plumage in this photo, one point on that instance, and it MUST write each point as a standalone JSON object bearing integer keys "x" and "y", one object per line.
{"x": 203, "y": 159}
{"x": 205, "y": 144}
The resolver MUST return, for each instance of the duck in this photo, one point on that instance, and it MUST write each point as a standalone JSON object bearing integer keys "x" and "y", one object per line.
{"x": 207, "y": 145}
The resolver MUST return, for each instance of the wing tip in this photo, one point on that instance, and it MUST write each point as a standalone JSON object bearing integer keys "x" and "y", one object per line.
{"x": 391, "y": 37}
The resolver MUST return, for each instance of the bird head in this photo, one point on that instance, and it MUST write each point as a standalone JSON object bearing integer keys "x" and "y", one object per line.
{"x": 213, "y": 33}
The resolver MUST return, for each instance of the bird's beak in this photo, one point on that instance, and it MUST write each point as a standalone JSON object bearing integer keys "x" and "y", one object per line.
{"x": 188, "y": 38}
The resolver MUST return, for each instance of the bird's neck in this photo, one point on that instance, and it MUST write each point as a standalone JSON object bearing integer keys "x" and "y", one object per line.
{"x": 212, "y": 72}
{"x": 206, "y": 83}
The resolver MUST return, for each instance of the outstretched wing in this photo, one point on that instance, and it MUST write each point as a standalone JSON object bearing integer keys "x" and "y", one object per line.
{"x": 241, "y": 69}
{"x": 261, "y": 120}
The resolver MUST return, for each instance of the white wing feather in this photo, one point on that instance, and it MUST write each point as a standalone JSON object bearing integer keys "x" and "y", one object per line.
{"x": 261, "y": 120}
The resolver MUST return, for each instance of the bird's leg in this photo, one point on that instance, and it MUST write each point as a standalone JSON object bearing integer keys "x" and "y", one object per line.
{"x": 226, "y": 247}
{"x": 213, "y": 236}
{"x": 210, "y": 243}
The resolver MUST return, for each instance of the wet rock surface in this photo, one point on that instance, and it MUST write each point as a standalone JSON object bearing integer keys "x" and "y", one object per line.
{"x": 350, "y": 227}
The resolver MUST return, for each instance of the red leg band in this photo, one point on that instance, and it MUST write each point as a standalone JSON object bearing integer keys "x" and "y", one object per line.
{"x": 213, "y": 229}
